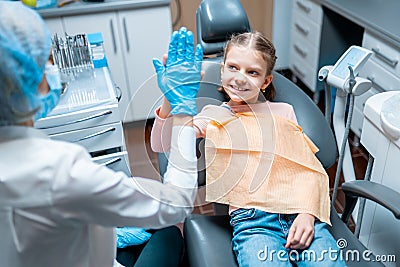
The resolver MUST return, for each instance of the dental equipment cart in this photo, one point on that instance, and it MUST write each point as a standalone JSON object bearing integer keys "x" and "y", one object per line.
{"x": 88, "y": 114}
{"x": 344, "y": 77}
{"x": 381, "y": 137}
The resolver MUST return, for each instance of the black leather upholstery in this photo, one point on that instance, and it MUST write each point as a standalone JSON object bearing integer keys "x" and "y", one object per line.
{"x": 217, "y": 20}
{"x": 208, "y": 241}
{"x": 309, "y": 117}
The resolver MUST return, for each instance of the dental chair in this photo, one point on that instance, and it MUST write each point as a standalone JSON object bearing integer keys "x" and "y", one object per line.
{"x": 208, "y": 238}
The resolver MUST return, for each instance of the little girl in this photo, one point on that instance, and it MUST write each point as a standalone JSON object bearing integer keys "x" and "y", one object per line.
{"x": 287, "y": 211}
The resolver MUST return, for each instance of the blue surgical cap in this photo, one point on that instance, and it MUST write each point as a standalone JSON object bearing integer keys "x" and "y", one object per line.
{"x": 24, "y": 49}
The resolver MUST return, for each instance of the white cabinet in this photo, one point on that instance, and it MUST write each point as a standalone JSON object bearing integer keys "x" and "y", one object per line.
{"x": 282, "y": 17}
{"x": 55, "y": 25}
{"x": 95, "y": 124}
{"x": 305, "y": 41}
{"x": 131, "y": 39}
{"x": 107, "y": 24}
{"x": 378, "y": 224}
{"x": 146, "y": 36}
{"x": 383, "y": 69}
{"x": 319, "y": 37}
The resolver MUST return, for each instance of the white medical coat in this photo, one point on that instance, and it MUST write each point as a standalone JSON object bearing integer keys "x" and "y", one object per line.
{"x": 58, "y": 208}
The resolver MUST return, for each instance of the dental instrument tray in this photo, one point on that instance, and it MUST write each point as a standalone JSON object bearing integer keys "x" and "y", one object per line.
{"x": 355, "y": 57}
{"x": 87, "y": 97}
{"x": 90, "y": 88}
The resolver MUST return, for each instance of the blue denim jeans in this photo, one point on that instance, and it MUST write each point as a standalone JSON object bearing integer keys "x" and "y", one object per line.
{"x": 259, "y": 239}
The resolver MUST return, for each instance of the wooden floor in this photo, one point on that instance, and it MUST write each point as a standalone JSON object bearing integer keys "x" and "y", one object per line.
{"x": 143, "y": 161}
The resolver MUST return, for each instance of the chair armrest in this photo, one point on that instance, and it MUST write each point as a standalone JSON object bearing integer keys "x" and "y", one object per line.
{"x": 208, "y": 241}
{"x": 378, "y": 193}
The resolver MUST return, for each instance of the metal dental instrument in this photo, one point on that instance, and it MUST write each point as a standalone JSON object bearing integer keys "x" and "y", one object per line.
{"x": 73, "y": 55}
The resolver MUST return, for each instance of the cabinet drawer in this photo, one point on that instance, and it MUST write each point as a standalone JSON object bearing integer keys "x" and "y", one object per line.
{"x": 116, "y": 161}
{"x": 95, "y": 138}
{"x": 305, "y": 50}
{"x": 382, "y": 80}
{"x": 309, "y": 30}
{"x": 386, "y": 54}
{"x": 303, "y": 71}
{"x": 308, "y": 8}
{"x": 80, "y": 119}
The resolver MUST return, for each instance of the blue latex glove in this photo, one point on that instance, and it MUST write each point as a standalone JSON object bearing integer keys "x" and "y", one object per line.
{"x": 130, "y": 236}
{"x": 179, "y": 79}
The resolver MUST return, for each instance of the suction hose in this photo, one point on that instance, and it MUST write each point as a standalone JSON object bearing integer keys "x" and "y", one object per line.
{"x": 352, "y": 83}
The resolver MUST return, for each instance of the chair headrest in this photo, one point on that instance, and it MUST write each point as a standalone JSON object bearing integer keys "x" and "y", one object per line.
{"x": 216, "y": 21}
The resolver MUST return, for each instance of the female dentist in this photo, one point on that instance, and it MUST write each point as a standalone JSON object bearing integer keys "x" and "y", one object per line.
{"x": 57, "y": 207}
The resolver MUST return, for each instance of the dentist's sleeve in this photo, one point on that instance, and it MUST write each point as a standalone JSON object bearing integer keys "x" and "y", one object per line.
{"x": 182, "y": 163}
{"x": 85, "y": 192}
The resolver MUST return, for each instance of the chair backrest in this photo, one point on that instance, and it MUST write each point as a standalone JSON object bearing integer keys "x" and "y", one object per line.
{"x": 216, "y": 21}
{"x": 309, "y": 117}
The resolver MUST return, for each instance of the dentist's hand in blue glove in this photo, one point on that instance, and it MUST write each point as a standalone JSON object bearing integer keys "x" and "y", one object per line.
{"x": 179, "y": 79}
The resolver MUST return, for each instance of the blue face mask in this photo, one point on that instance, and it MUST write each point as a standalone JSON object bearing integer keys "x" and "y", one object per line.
{"x": 51, "y": 99}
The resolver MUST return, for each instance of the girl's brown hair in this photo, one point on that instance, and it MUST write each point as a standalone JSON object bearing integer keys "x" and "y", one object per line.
{"x": 257, "y": 41}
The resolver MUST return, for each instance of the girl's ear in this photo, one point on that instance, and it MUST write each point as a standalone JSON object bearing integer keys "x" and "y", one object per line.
{"x": 222, "y": 68}
{"x": 267, "y": 81}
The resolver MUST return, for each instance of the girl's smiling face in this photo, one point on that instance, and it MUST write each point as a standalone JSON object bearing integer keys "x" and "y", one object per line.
{"x": 243, "y": 75}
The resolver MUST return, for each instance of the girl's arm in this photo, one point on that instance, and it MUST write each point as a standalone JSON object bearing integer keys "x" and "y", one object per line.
{"x": 165, "y": 109}
{"x": 160, "y": 137}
